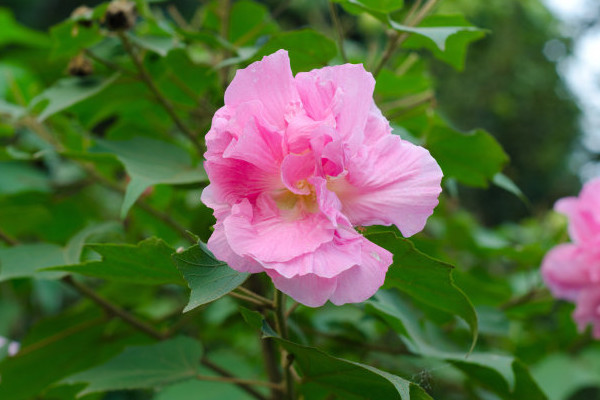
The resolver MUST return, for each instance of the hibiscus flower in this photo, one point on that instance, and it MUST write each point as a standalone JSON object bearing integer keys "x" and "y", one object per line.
{"x": 295, "y": 163}
{"x": 572, "y": 270}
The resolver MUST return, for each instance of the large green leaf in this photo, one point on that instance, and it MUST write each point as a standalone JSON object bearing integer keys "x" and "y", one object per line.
{"x": 502, "y": 374}
{"x": 33, "y": 260}
{"x": 472, "y": 158}
{"x": 148, "y": 262}
{"x": 149, "y": 162}
{"x": 344, "y": 378}
{"x": 446, "y": 36}
{"x": 54, "y": 349}
{"x": 23, "y": 261}
{"x": 249, "y": 21}
{"x": 142, "y": 367}
{"x": 380, "y": 6}
{"x": 69, "y": 91}
{"x": 425, "y": 279}
{"x": 561, "y": 375}
{"x": 307, "y": 48}
{"x": 18, "y": 176}
{"x": 207, "y": 277}
{"x": 13, "y": 33}
{"x": 70, "y": 37}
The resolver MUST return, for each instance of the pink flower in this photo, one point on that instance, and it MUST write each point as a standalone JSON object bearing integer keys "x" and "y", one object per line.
{"x": 572, "y": 270}
{"x": 295, "y": 163}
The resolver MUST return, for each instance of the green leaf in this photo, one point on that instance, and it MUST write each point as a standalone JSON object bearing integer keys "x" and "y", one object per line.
{"x": 14, "y": 33}
{"x": 161, "y": 45}
{"x": 504, "y": 375}
{"x": 70, "y": 37}
{"x": 35, "y": 260}
{"x": 20, "y": 176}
{"x": 148, "y": 262}
{"x": 149, "y": 162}
{"x": 562, "y": 375}
{"x": 69, "y": 91}
{"x": 65, "y": 344}
{"x": 379, "y": 6}
{"x": 208, "y": 278}
{"x": 25, "y": 260}
{"x": 446, "y": 36}
{"x": 249, "y": 20}
{"x": 425, "y": 279}
{"x": 307, "y": 49}
{"x": 347, "y": 379}
{"x": 504, "y": 182}
{"x": 472, "y": 158}
{"x": 144, "y": 367}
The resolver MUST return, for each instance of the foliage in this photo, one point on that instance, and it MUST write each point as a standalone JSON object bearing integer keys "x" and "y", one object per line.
{"x": 105, "y": 279}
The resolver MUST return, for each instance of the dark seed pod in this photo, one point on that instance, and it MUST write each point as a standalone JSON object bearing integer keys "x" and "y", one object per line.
{"x": 83, "y": 16}
{"x": 80, "y": 66}
{"x": 120, "y": 15}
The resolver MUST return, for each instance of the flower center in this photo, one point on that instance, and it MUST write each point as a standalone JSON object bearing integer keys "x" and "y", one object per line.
{"x": 299, "y": 203}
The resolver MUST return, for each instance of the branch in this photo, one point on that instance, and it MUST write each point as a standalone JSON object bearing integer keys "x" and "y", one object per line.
{"x": 45, "y": 135}
{"x": 398, "y": 38}
{"x": 286, "y": 359}
{"x": 113, "y": 309}
{"x": 223, "y": 372}
{"x": 6, "y": 238}
{"x": 147, "y": 79}
{"x": 237, "y": 380}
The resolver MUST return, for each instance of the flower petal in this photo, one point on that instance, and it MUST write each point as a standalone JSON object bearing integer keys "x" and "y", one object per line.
{"x": 362, "y": 281}
{"x": 582, "y": 211}
{"x": 269, "y": 81}
{"x": 270, "y": 238}
{"x": 392, "y": 182}
{"x": 342, "y": 91}
{"x": 310, "y": 290}
{"x": 217, "y": 243}
{"x": 588, "y": 310}
{"x": 567, "y": 269}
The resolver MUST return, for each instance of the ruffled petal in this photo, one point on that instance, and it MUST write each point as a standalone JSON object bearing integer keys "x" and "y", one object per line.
{"x": 310, "y": 290}
{"x": 295, "y": 170}
{"x": 588, "y": 310}
{"x": 269, "y": 81}
{"x": 271, "y": 238}
{"x": 392, "y": 182}
{"x": 583, "y": 214}
{"x": 567, "y": 269}
{"x": 342, "y": 91}
{"x": 217, "y": 243}
{"x": 362, "y": 281}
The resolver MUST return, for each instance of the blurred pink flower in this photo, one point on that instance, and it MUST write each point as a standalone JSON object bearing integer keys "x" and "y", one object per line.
{"x": 572, "y": 270}
{"x": 295, "y": 163}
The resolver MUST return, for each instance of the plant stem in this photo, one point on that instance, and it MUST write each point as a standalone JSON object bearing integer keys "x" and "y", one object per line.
{"x": 166, "y": 104}
{"x": 9, "y": 240}
{"x": 227, "y": 379}
{"x": 223, "y": 372}
{"x": 45, "y": 135}
{"x": 281, "y": 326}
{"x": 339, "y": 29}
{"x": 250, "y": 300}
{"x": 398, "y": 38}
{"x": 114, "y": 310}
{"x": 254, "y": 294}
{"x": 269, "y": 355}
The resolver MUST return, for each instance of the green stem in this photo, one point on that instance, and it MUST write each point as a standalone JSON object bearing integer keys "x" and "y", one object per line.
{"x": 339, "y": 29}
{"x": 164, "y": 102}
{"x": 286, "y": 360}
